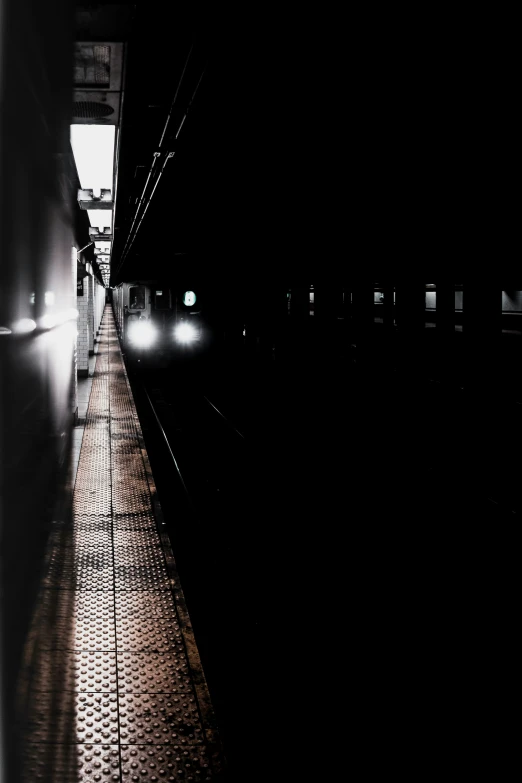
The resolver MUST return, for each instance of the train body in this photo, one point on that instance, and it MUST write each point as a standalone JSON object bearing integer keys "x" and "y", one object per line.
{"x": 158, "y": 323}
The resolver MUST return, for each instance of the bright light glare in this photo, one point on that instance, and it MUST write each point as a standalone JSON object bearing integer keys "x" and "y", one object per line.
{"x": 56, "y": 319}
{"x": 106, "y": 246}
{"x": 49, "y": 297}
{"x": 185, "y": 333}
{"x": 141, "y": 334}
{"x": 24, "y": 326}
{"x": 93, "y": 148}
{"x": 48, "y": 321}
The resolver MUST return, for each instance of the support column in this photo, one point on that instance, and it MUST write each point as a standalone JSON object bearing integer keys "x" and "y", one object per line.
{"x": 300, "y": 303}
{"x": 410, "y": 309}
{"x": 252, "y": 321}
{"x": 363, "y": 322}
{"x": 300, "y": 323}
{"x": 445, "y": 313}
{"x": 482, "y": 327}
{"x": 276, "y": 321}
{"x": 388, "y": 307}
{"x": 328, "y": 330}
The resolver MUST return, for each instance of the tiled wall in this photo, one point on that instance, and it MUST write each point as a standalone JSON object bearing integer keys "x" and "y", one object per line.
{"x": 90, "y": 308}
{"x": 90, "y": 313}
{"x": 74, "y": 389}
{"x": 83, "y": 329}
{"x": 99, "y": 305}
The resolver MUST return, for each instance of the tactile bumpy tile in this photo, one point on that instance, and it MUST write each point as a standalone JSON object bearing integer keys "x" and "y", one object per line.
{"x": 131, "y": 534}
{"x": 61, "y": 576}
{"x": 95, "y": 672}
{"x": 143, "y": 555}
{"x": 60, "y": 717}
{"x": 151, "y": 763}
{"x": 94, "y": 635}
{"x": 76, "y": 633}
{"x": 159, "y": 718}
{"x": 137, "y": 576}
{"x": 79, "y": 671}
{"x": 143, "y": 634}
{"x": 84, "y": 536}
{"x": 81, "y": 603}
{"x": 130, "y": 550}
{"x": 54, "y": 670}
{"x": 144, "y": 603}
{"x": 153, "y": 672}
{"x": 97, "y": 718}
{"x": 50, "y": 717}
{"x": 123, "y": 691}
{"x": 97, "y": 764}
{"x": 48, "y": 762}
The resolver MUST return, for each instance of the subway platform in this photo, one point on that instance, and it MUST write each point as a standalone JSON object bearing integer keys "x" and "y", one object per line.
{"x": 115, "y": 689}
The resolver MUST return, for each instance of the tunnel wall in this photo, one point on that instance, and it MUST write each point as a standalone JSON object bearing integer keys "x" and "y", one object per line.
{"x": 37, "y": 177}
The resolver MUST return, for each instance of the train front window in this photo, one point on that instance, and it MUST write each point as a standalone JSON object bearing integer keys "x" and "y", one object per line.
{"x": 137, "y": 297}
{"x": 162, "y": 299}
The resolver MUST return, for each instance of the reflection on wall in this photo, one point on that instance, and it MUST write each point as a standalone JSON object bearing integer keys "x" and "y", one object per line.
{"x": 37, "y": 177}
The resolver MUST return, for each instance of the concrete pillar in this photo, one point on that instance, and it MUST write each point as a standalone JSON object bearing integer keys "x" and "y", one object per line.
{"x": 388, "y": 306}
{"x": 347, "y": 303}
{"x": 253, "y": 313}
{"x": 363, "y": 322}
{"x": 300, "y": 303}
{"x": 328, "y": 302}
{"x": 411, "y": 306}
{"x": 410, "y": 310}
{"x": 445, "y": 315}
{"x": 275, "y": 318}
{"x": 482, "y": 327}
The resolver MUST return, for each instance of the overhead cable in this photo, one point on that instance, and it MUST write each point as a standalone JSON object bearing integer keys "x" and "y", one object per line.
{"x": 132, "y": 236}
{"x": 156, "y": 155}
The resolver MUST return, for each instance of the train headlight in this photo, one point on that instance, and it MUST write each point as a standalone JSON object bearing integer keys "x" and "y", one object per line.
{"x": 142, "y": 334}
{"x": 185, "y": 333}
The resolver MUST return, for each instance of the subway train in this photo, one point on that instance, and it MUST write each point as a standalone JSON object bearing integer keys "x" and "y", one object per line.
{"x": 158, "y": 323}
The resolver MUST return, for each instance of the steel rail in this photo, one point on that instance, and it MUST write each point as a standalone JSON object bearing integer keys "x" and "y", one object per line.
{"x": 224, "y": 418}
{"x": 189, "y": 499}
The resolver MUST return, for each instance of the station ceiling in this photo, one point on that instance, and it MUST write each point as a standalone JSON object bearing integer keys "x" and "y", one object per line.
{"x": 197, "y": 88}
{"x": 306, "y": 143}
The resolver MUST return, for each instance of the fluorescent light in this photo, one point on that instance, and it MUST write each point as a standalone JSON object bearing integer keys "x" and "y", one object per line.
{"x": 48, "y": 321}
{"x": 93, "y": 148}
{"x": 24, "y": 326}
{"x": 57, "y": 319}
{"x": 100, "y": 217}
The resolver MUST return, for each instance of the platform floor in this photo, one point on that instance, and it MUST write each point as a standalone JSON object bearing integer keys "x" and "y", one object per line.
{"x": 117, "y": 692}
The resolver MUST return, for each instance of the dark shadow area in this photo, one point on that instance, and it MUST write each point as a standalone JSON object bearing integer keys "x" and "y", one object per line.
{"x": 348, "y": 552}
